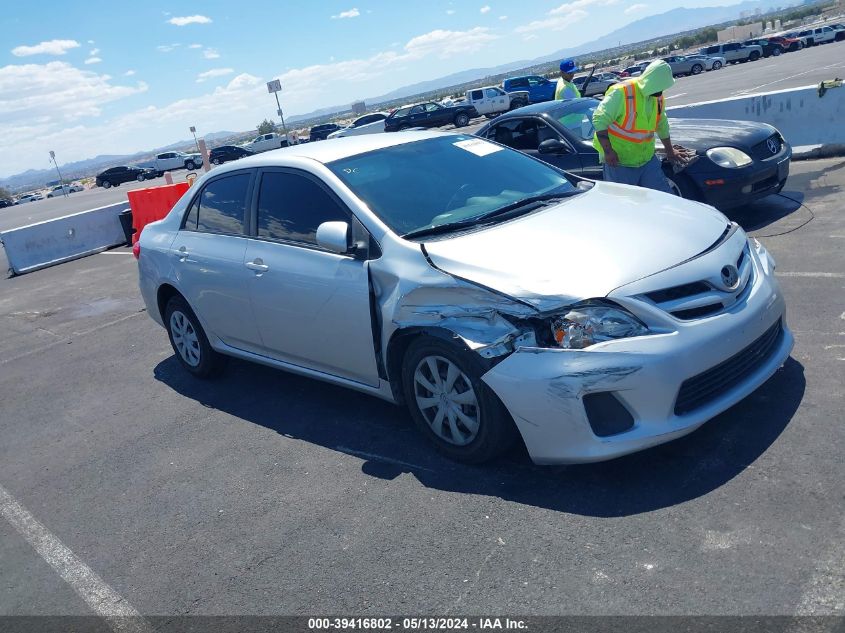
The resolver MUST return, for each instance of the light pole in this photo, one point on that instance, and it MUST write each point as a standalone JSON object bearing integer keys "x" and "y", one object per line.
{"x": 196, "y": 142}
{"x": 275, "y": 87}
{"x": 61, "y": 182}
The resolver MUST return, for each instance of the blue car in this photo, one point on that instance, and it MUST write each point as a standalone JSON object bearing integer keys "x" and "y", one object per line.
{"x": 539, "y": 88}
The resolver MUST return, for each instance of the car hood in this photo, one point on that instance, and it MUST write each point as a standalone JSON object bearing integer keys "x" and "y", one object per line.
{"x": 704, "y": 134}
{"x": 584, "y": 247}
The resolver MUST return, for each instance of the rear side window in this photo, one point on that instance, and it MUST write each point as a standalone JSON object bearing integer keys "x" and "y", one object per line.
{"x": 402, "y": 112}
{"x": 476, "y": 95}
{"x": 292, "y": 206}
{"x": 222, "y": 206}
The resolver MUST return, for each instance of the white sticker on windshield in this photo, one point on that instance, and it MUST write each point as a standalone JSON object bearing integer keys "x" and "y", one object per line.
{"x": 479, "y": 147}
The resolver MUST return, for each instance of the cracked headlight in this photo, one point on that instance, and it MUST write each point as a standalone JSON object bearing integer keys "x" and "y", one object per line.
{"x": 729, "y": 157}
{"x": 585, "y": 325}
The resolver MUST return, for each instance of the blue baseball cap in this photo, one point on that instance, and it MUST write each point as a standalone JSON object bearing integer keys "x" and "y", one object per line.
{"x": 568, "y": 66}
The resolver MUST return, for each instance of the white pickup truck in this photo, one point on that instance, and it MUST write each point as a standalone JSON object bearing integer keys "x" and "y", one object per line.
{"x": 167, "y": 161}
{"x": 491, "y": 101}
{"x": 266, "y": 142}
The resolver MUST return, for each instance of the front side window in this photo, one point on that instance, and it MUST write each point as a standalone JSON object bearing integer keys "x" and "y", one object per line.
{"x": 441, "y": 180}
{"x": 417, "y": 110}
{"x": 401, "y": 112}
{"x": 432, "y": 107}
{"x": 222, "y": 205}
{"x": 291, "y": 207}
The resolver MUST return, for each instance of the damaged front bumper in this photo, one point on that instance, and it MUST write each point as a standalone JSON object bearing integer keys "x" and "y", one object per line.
{"x": 651, "y": 377}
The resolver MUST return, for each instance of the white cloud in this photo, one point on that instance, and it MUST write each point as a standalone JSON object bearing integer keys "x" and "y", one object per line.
{"x": 503, "y": 17}
{"x": 449, "y": 43}
{"x": 214, "y": 72}
{"x": 94, "y": 51}
{"x": 189, "y": 19}
{"x": 53, "y": 47}
{"x": 166, "y": 48}
{"x": 562, "y": 17}
{"x": 90, "y": 41}
{"x": 93, "y": 60}
{"x": 210, "y": 53}
{"x": 56, "y": 90}
{"x": 485, "y": 9}
{"x": 450, "y": 12}
{"x": 195, "y": 46}
{"x": 636, "y": 7}
{"x": 129, "y": 73}
{"x": 352, "y": 13}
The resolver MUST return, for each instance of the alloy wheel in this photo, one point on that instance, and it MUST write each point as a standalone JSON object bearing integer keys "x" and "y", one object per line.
{"x": 447, "y": 401}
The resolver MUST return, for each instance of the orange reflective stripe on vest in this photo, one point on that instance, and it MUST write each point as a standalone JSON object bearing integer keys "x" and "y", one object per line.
{"x": 628, "y": 129}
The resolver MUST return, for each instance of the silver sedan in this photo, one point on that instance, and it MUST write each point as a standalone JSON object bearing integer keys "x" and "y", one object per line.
{"x": 500, "y": 299}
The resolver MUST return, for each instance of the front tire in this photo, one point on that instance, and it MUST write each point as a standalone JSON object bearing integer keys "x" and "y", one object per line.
{"x": 190, "y": 165}
{"x": 451, "y": 405}
{"x": 776, "y": 52}
{"x": 681, "y": 185}
{"x": 753, "y": 56}
{"x": 106, "y": 184}
{"x": 140, "y": 178}
{"x": 461, "y": 119}
{"x": 188, "y": 339}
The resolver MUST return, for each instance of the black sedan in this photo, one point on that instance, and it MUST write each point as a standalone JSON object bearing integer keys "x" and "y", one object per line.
{"x": 225, "y": 153}
{"x": 737, "y": 161}
{"x": 770, "y": 47}
{"x": 114, "y": 176}
{"x": 429, "y": 115}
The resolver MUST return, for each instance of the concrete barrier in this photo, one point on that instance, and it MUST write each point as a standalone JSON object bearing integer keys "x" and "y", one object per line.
{"x": 806, "y": 116}
{"x": 55, "y": 241}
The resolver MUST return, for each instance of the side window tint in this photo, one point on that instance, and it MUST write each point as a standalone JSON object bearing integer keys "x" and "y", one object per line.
{"x": 223, "y": 204}
{"x": 193, "y": 215}
{"x": 291, "y": 207}
{"x": 476, "y": 95}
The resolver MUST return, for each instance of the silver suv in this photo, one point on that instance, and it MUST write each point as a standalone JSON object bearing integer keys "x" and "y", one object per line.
{"x": 734, "y": 52}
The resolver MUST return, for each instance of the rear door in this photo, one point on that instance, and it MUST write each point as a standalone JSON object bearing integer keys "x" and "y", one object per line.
{"x": 312, "y": 306}
{"x": 208, "y": 258}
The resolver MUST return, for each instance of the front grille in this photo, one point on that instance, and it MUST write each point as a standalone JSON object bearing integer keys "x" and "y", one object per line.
{"x": 702, "y": 389}
{"x": 761, "y": 151}
{"x": 678, "y": 292}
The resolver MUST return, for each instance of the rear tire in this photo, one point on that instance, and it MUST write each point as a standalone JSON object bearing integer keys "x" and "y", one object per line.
{"x": 140, "y": 178}
{"x": 696, "y": 69}
{"x": 461, "y": 119}
{"x": 776, "y": 52}
{"x": 753, "y": 56}
{"x": 189, "y": 164}
{"x": 106, "y": 184}
{"x": 451, "y": 405}
{"x": 188, "y": 339}
{"x": 717, "y": 65}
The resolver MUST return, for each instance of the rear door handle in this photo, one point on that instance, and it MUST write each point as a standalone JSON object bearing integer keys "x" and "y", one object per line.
{"x": 182, "y": 253}
{"x": 258, "y": 266}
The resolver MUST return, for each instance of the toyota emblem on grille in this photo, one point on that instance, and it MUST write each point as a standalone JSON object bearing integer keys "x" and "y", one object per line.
{"x": 772, "y": 145}
{"x": 730, "y": 276}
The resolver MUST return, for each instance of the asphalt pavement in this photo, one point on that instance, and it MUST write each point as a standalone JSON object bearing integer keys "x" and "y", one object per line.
{"x": 266, "y": 493}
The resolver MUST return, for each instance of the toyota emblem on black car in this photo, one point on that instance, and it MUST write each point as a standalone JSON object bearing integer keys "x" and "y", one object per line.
{"x": 772, "y": 145}
{"x": 730, "y": 276}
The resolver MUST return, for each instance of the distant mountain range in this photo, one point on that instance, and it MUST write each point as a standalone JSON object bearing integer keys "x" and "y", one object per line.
{"x": 654, "y": 26}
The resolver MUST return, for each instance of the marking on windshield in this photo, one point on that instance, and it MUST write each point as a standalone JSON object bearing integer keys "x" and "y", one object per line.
{"x": 479, "y": 147}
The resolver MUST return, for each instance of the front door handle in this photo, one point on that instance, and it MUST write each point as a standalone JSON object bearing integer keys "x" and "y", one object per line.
{"x": 182, "y": 253}
{"x": 258, "y": 265}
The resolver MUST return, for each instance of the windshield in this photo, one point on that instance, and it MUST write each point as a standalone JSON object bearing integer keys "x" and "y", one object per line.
{"x": 443, "y": 180}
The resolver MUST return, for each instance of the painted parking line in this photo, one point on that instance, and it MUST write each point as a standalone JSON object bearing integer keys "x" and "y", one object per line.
{"x": 102, "y": 599}
{"x": 811, "y": 274}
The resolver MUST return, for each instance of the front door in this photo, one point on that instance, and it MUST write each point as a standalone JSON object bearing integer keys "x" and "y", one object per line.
{"x": 312, "y": 306}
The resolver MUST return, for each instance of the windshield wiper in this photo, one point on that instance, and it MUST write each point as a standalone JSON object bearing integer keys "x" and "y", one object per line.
{"x": 523, "y": 205}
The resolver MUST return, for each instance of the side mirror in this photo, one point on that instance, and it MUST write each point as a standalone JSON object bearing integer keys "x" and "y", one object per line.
{"x": 553, "y": 146}
{"x": 334, "y": 237}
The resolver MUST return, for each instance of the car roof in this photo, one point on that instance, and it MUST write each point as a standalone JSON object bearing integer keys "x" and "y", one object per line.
{"x": 332, "y": 149}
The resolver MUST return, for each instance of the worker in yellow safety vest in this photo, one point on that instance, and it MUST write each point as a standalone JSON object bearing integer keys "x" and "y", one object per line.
{"x": 626, "y": 121}
{"x": 565, "y": 88}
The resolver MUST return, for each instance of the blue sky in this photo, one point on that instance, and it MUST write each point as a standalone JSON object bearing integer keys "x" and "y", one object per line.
{"x": 118, "y": 77}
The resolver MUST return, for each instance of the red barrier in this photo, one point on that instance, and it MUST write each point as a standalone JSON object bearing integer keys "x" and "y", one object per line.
{"x": 153, "y": 203}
